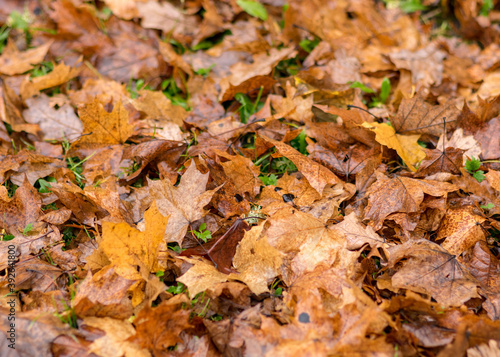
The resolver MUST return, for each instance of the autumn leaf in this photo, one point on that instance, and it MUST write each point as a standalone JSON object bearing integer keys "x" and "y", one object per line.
{"x": 317, "y": 175}
{"x": 417, "y": 116}
{"x": 184, "y": 203}
{"x": 405, "y": 145}
{"x": 400, "y": 194}
{"x": 460, "y": 229}
{"x": 432, "y": 270}
{"x": 103, "y": 128}
{"x": 12, "y": 61}
{"x": 123, "y": 244}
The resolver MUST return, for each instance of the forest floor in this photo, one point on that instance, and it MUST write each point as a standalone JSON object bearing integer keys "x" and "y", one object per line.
{"x": 242, "y": 178}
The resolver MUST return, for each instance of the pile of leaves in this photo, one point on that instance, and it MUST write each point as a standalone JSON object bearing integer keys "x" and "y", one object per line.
{"x": 205, "y": 178}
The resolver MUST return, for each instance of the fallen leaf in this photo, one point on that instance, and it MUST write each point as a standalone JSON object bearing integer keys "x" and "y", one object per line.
{"x": 115, "y": 341}
{"x": 430, "y": 269}
{"x": 485, "y": 267}
{"x": 426, "y": 65}
{"x": 184, "y": 203}
{"x": 54, "y": 123}
{"x": 415, "y": 116}
{"x": 405, "y": 145}
{"x": 317, "y": 175}
{"x": 460, "y": 229}
{"x": 221, "y": 250}
{"x": 201, "y": 276}
{"x": 123, "y": 244}
{"x": 59, "y": 75}
{"x": 103, "y": 128}
{"x": 436, "y": 161}
{"x": 159, "y": 328}
{"x": 107, "y": 293}
{"x": 12, "y": 61}
{"x": 400, "y": 194}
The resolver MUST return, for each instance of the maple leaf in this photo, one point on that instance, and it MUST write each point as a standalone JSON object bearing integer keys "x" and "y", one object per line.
{"x": 430, "y": 269}
{"x": 415, "y": 116}
{"x": 103, "y": 128}
{"x": 12, "y": 61}
{"x": 450, "y": 160}
{"x": 400, "y": 194}
{"x": 256, "y": 261}
{"x": 317, "y": 175}
{"x": 221, "y": 251}
{"x": 485, "y": 267}
{"x": 201, "y": 276}
{"x": 184, "y": 203}
{"x": 106, "y": 294}
{"x": 460, "y": 229}
{"x": 54, "y": 123}
{"x": 405, "y": 145}
{"x": 159, "y": 328}
{"x": 123, "y": 244}
{"x": 114, "y": 342}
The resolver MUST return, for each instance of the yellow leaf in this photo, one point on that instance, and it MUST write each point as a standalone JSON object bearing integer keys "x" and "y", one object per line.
{"x": 123, "y": 244}
{"x": 103, "y": 128}
{"x": 405, "y": 145}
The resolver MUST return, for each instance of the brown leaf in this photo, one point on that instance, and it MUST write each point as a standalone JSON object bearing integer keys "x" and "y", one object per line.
{"x": 460, "y": 229}
{"x": 103, "y": 128}
{"x": 55, "y": 124}
{"x": 107, "y": 293}
{"x": 262, "y": 64}
{"x": 485, "y": 267}
{"x": 184, "y": 203}
{"x": 159, "y": 328}
{"x": 243, "y": 172}
{"x": 415, "y": 116}
{"x": 12, "y": 61}
{"x": 201, "y": 276}
{"x": 450, "y": 160}
{"x": 115, "y": 341}
{"x": 426, "y": 65}
{"x": 123, "y": 244}
{"x": 221, "y": 250}
{"x": 156, "y": 105}
{"x": 400, "y": 194}
{"x": 317, "y": 175}
{"x": 39, "y": 331}
{"x": 256, "y": 261}
{"x": 430, "y": 269}
{"x": 227, "y": 199}
{"x": 20, "y": 210}
{"x": 59, "y": 75}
